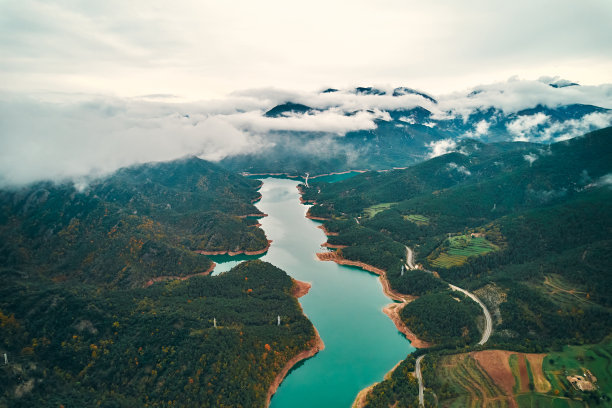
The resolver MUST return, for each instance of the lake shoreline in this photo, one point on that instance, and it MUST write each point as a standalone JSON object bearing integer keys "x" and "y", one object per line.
{"x": 234, "y": 253}
{"x": 361, "y": 398}
{"x": 293, "y": 176}
{"x": 316, "y": 344}
{"x": 184, "y": 277}
{"x": 392, "y": 310}
{"x": 382, "y": 274}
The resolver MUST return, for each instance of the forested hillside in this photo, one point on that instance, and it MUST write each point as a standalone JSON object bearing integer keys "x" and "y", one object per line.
{"x": 84, "y": 325}
{"x": 77, "y": 345}
{"x": 405, "y": 126}
{"x": 527, "y": 230}
{"x": 141, "y": 222}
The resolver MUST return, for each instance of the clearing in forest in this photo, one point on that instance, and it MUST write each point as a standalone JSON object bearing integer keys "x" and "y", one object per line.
{"x": 562, "y": 292}
{"x": 417, "y": 219}
{"x": 456, "y": 250}
{"x": 371, "y": 211}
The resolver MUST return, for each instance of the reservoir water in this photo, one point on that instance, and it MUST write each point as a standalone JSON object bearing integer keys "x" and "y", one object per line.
{"x": 344, "y": 304}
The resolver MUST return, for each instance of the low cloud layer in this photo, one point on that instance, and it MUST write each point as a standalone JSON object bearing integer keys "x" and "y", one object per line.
{"x": 331, "y": 121}
{"x": 67, "y": 141}
{"x": 523, "y": 126}
{"x": 69, "y": 136}
{"x": 441, "y": 147}
{"x": 73, "y": 140}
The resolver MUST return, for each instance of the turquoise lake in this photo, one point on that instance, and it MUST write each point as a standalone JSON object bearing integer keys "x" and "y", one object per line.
{"x": 345, "y": 305}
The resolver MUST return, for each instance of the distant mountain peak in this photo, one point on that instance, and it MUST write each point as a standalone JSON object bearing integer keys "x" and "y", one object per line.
{"x": 368, "y": 90}
{"x": 557, "y": 82}
{"x": 402, "y": 90}
{"x": 563, "y": 84}
{"x": 288, "y": 108}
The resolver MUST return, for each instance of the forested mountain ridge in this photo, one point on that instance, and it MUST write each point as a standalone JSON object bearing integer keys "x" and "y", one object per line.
{"x": 137, "y": 224}
{"x": 527, "y": 231}
{"x": 206, "y": 341}
{"x": 407, "y": 126}
{"x": 540, "y": 173}
{"x": 515, "y": 208}
{"x": 83, "y": 323}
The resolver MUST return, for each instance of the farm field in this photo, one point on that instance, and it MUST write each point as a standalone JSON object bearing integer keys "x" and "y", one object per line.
{"x": 370, "y": 212}
{"x": 417, "y": 219}
{"x": 471, "y": 385}
{"x": 499, "y": 378}
{"x": 575, "y": 360}
{"x": 460, "y": 248}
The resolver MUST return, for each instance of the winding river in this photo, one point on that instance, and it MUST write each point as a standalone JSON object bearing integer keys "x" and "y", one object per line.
{"x": 344, "y": 304}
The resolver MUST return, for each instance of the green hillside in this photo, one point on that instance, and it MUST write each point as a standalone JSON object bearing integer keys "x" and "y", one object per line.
{"x": 526, "y": 230}
{"x": 80, "y": 323}
{"x": 78, "y": 345}
{"x": 139, "y": 223}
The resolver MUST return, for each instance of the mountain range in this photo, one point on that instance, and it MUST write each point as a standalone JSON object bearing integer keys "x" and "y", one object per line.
{"x": 409, "y": 126}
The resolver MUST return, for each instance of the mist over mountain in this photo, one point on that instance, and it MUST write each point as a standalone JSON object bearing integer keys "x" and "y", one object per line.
{"x": 80, "y": 137}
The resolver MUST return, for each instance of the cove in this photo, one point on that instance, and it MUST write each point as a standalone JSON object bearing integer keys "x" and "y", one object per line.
{"x": 345, "y": 305}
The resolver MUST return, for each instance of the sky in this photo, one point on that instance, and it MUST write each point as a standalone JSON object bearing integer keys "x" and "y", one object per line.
{"x": 87, "y": 87}
{"x": 204, "y": 49}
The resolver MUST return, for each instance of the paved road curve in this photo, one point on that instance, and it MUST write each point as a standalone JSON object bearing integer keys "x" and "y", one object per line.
{"x": 410, "y": 259}
{"x": 488, "y": 321}
{"x": 417, "y": 373}
{"x": 485, "y": 334}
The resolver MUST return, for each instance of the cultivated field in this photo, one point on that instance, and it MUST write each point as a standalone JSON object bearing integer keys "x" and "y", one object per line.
{"x": 460, "y": 248}
{"x": 499, "y": 378}
{"x": 575, "y": 360}
{"x": 375, "y": 209}
{"x": 417, "y": 219}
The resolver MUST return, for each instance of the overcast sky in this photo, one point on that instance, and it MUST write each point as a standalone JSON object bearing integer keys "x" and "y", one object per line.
{"x": 204, "y": 49}
{"x": 88, "y": 86}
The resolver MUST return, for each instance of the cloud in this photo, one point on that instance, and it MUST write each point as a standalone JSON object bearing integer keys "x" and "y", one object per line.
{"x": 63, "y": 135}
{"x": 330, "y": 121}
{"x": 530, "y": 158}
{"x": 524, "y": 126}
{"x": 604, "y": 180}
{"x": 66, "y": 141}
{"x": 545, "y": 196}
{"x": 509, "y": 97}
{"x": 480, "y": 129}
{"x": 459, "y": 169}
{"x": 204, "y": 48}
{"x": 516, "y": 94}
{"x": 541, "y": 128}
{"x": 90, "y": 137}
{"x": 568, "y": 129}
{"x": 408, "y": 119}
{"x": 344, "y": 99}
{"x": 440, "y": 147}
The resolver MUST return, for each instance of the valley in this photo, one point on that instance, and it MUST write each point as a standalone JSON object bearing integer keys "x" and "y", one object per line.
{"x": 512, "y": 254}
{"x": 494, "y": 271}
{"x": 321, "y": 204}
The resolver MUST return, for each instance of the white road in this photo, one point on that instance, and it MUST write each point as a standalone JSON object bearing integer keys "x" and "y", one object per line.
{"x": 410, "y": 259}
{"x": 485, "y": 334}
{"x": 488, "y": 321}
{"x": 419, "y": 377}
